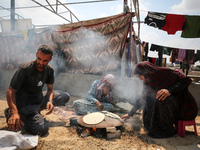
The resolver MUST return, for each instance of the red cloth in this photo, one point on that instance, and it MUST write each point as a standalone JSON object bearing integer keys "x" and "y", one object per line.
{"x": 153, "y": 60}
{"x": 173, "y": 23}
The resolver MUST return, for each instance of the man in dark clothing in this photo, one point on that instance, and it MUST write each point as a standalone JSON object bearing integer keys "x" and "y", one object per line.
{"x": 25, "y": 97}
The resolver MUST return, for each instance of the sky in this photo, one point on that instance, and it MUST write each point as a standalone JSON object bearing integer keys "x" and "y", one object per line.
{"x": 88, "y": 11}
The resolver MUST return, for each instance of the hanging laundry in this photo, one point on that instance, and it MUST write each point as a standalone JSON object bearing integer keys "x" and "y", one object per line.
{"x": 31, "y": 33}
{"x": 153, "y": 60}
{"x": 142, "y": 46}
{"x": 149, "y": 59}
{"x": 167, "y": 50}
{"x": 159, "y": 49}
{"x": 181, "y": 54}
{"x": 192, "y": 27}
{"x": 174, "y": 54}
{"x": 160, "y": 55}
{"x": 173, "y": 23}
{"x": 197, "y": 55}
{"x": 25, "y": 34}
{"x": 164, "y": 49}
{"x": 189, "y": 57}
{"x": 138, "y": 53}
{"x": 155, "y": 47}
{"x": 156, "y": 20}
{"x": 157, "y": 62}
{"x": 146, "y": 50}
{"x": 188, "y": 60}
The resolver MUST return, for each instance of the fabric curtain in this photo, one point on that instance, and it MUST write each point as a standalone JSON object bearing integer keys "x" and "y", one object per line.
{"x": 94, "y": 48}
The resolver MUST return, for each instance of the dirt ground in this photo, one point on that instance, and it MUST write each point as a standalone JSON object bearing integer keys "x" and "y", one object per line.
{"x": 134, "y": 137}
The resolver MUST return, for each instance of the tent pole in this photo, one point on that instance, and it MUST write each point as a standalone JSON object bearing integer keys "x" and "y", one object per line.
{"x": 12, "y": 15}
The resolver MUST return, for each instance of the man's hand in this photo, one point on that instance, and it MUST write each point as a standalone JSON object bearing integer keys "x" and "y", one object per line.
{"x": 14, "y": 122}
{"x": 162, "y": 94}
{"x": 99, "y": 105}
{"x": 50, "y": 107}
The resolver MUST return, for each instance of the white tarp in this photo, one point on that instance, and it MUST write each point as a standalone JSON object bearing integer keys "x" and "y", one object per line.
{"x": 10, "y": 140}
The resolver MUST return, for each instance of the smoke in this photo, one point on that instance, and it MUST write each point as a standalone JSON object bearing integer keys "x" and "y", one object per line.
{"x": 58, "y": 62}
{"x": 14, "y": 53}
{"x": 127, "y": 90}
{"x": 93, "y": 51}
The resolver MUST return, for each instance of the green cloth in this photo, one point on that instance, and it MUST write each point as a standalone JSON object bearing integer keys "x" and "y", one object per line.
{"x": 166, "y": 50}
{"x": 192, "y": 27}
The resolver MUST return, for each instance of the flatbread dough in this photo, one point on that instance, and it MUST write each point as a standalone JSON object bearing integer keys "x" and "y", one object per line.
{"x": 93, "y": 118}
{"x": 112, "y": 115}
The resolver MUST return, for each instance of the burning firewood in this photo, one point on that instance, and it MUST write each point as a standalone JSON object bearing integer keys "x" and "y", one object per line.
{"x": 85, "y": 133}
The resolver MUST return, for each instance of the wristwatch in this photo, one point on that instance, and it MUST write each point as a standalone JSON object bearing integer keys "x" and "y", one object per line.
{"x": 50, "y": 101}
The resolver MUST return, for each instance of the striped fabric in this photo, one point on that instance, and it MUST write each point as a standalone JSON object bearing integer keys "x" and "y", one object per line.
{"x": 93, "y": 48}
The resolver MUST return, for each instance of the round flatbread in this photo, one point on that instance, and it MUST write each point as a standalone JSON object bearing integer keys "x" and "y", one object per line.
{"x": 93, "y": 118}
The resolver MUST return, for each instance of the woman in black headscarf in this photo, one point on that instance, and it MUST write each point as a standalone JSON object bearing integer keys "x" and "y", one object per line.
{"x": 166, "y": 98}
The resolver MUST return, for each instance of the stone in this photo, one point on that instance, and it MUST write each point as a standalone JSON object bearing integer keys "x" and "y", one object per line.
{"x": 111, "y": 129}
{"x": 114, "y": 135}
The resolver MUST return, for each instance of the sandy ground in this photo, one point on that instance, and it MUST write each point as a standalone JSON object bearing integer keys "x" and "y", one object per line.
{"x": 134, "y": 137}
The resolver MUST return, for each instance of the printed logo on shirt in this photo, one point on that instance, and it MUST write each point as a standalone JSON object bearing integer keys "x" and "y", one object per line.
{"x": 40, "y": 83}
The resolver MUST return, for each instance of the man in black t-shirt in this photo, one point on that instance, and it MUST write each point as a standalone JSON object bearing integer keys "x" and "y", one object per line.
{"x": 25, "y": 97}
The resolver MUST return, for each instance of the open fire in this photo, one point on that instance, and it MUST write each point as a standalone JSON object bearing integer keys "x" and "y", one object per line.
{"x": 109, "y": 128}
{"x": 106, "y": 133}
{"x": 95, "y": 132}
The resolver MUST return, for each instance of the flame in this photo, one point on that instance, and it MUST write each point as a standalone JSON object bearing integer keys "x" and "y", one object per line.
{"x": 94, "y": 129}
{"x": 88, "y": 131}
